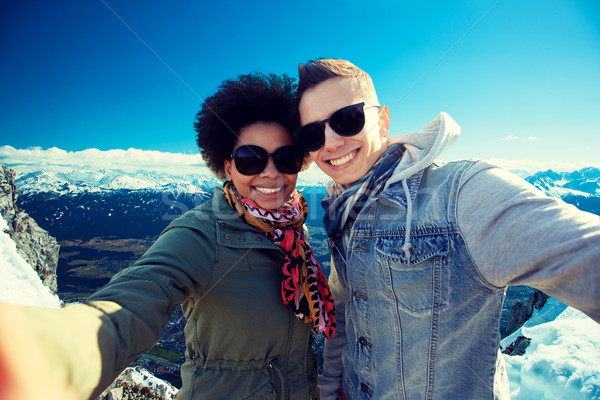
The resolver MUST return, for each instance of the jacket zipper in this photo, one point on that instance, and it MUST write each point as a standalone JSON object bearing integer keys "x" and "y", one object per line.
{"x": 287, "y": 354}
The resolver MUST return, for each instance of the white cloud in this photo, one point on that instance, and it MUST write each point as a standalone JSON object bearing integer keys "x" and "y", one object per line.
{"x": 131, "y": 160}
{"x": 511, "y": 137}
{"x": 532, "y": 138}
{"x": 128, "y": 160}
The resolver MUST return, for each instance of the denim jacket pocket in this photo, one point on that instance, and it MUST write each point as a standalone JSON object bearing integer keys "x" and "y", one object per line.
{"x": 421, "y": 282}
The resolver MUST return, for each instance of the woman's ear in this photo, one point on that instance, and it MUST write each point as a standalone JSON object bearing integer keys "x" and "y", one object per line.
{"x": 227, "y": 164}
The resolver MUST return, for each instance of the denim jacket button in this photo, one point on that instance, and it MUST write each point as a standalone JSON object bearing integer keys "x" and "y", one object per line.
{"x": 242, "y": 239}
{"x": 359, "y": 295}
{"x": 365, "y": 388}
{"x": 363, "y": 341}
{"x": 227, "y": 236}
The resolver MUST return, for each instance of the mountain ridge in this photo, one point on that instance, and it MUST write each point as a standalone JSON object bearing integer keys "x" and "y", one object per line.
{"x": 33, "y": 243}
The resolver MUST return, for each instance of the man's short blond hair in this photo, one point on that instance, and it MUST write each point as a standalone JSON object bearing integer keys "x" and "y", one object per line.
{"x": 317, "y": 71}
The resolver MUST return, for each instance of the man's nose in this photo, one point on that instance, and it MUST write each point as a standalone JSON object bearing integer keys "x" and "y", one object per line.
{"x": 332, "y": 139}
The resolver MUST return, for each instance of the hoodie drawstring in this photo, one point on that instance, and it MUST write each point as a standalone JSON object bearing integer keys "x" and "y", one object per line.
{"x": 409, "y": 210}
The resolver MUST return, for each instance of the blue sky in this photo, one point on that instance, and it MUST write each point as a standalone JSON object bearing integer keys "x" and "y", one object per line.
{"x": 522, "y": 78}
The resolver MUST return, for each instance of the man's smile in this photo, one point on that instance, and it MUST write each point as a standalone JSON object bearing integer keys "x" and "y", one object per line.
{"x": 338, "y": 162}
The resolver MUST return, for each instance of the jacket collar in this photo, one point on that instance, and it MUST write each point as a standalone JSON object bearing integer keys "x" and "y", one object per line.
{"x": 223, "y": 212}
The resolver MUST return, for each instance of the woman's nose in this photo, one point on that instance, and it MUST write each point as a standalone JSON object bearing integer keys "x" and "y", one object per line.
{"x": 270, "y": 168}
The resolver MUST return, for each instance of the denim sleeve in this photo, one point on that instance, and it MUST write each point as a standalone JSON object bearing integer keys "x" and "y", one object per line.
{"x": 517, "y": 235}
{"x": 330, "y": 381}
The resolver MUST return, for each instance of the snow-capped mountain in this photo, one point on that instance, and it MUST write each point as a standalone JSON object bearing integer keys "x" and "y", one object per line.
{"x": 583, "y": 181}
{"x": 580, "y": 188}
{"x": 170, "y": 194}
{"x": 80, "y": 203}
{"x": 43, "y": 178}
{"x": 97, "y": 181}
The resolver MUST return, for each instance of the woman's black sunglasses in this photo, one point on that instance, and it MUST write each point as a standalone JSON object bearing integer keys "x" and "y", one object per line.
{"x": 251, "y": 160}
{"x": 346, "y": 121}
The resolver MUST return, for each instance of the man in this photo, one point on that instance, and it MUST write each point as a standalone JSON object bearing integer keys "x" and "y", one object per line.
{"x": 423, "y": 250}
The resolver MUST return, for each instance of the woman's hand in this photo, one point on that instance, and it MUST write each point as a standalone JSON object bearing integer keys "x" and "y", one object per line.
{"x": 40, "y": 352}
{"x": 25, "y": 372}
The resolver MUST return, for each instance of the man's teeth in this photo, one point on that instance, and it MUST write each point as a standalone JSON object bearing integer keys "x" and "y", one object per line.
{"x": 342, "y": 160}
{"x": 268, "y": 190}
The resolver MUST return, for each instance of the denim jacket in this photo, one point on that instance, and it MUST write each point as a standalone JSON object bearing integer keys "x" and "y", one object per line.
{"x": 425, "y": 324}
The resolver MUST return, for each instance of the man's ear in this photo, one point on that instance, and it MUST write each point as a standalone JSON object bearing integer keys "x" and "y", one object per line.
{"x": 227, "y": 164}
{"x": 384, "y": 121}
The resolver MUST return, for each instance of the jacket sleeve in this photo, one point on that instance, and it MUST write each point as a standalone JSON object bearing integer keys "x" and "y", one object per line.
{"x": 138, "y": 302}
{"x": 517, "y": 235}
{"x": 330, "y": 381}
{"x": 81, "y": 348}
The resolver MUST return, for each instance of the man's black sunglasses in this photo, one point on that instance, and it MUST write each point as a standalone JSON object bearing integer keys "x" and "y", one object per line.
{"x": 346, "y": 121}
{"x": 251, "y": 160}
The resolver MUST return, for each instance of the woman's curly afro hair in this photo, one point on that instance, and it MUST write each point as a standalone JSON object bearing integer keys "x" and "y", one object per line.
{"x": 238, "y": 103}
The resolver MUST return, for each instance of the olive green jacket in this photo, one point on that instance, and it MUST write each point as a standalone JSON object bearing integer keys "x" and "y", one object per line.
{"x": 241, "y": 341}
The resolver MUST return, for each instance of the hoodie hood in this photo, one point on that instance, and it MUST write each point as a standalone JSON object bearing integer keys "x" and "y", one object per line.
{"x": 423, "y": 147}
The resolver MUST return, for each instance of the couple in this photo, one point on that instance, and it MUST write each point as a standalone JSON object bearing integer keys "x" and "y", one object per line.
{"x": 422, "y": 252}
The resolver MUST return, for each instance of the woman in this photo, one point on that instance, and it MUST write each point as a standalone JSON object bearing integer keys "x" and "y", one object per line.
{"x": 250, "y": 287}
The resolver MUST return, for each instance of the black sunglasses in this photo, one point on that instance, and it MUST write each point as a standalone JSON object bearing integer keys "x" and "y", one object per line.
{"x": 346, "y": 121}
{"x": 251, "y": 160}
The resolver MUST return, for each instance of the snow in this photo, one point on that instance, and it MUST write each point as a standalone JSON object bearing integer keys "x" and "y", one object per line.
{"x": 58, "y": 180}
{"x": 563, "y": 359}
{"x": 144, "y": 378}
{"x": 19, "y": 283}
{"x": 557, "y": 191}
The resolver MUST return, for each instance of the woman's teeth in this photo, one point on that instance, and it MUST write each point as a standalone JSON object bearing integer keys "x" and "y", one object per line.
{"x": 268, "y": 190}
{"x": 342, "y": 160}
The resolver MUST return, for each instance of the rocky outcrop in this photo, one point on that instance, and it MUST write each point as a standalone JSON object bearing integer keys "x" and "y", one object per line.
{"x": 138, "y": 384}
{"x": 34, "y": 244}
{"x": 518, "y": 347}
{"x": 520, "y": 312}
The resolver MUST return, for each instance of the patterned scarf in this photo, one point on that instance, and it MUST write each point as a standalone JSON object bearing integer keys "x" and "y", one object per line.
{"x": 304, "y": 287}
{"x": 343, "y": 205}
